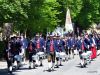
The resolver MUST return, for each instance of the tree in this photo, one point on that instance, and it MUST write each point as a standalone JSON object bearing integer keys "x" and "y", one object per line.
{"x": 40, "y": 15}
{"x": 74, "y": 6}
{"x": 13, "y": 11}
{"x": 83, "y": 12}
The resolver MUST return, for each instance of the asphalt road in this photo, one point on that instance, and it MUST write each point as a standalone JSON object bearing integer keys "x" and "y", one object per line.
{"x": 70, "y": 67}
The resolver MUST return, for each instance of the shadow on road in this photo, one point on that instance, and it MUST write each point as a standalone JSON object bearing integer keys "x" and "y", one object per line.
{"x": 5, "y": 72}
{"x": 80, "y": 66}
{"x": 26, "y": 68}
{"x": 49, "y": 70}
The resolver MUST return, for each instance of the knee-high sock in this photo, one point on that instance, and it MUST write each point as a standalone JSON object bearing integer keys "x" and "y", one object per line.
{"x": 33, "y": 64}
{"x": 82, "y": 62}
{"x": 10, "y": 68}
{"x": 15, "y": 63}
{"x": 40, "y": 61}
{"x": 57, "y": 63}
{"x": 49, "y": 64}
{"x": 30, "y": 64}
{"x": 53, "y": 65}
{"x": 60, "y": 60}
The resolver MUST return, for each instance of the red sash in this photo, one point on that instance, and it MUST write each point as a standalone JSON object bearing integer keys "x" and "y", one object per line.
{"x": 82, "y": 45}
{"x": 30, "y": 48}
{"x": 38, "y": 44}
{"x": 51, "y": 46}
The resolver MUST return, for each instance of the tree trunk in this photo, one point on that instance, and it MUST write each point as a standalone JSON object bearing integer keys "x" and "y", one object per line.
{"x": 7, "y": 30}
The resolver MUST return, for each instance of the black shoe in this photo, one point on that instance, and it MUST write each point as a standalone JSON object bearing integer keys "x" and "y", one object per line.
{"x": 57, "y": 66}
{"x": 29, "y": 67}
{"x": 52, "y": 69}
{"x": 41, "y": 64}
{"x": 33, "y": 67}
{"x": 60, "y": 65}
{"x": 10, "y": 72}
{"x": 49, "y": 70}
{"x": 36, "y": 65}
{"x": 84, "y": 65}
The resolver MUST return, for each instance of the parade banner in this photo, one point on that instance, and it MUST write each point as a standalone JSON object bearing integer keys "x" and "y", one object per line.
{"x": 68, "y": 22}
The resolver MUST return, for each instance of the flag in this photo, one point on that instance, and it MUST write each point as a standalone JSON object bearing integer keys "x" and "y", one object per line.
{"x": 68, "y": 22}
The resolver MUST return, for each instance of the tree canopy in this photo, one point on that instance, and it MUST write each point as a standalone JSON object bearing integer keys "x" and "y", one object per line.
{"x": 42, "y": 15}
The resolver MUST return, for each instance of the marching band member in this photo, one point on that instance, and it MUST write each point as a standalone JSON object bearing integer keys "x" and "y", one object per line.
{"x": 39, "y": 42}
{"x": 66, "y": 47}
{"x": 80, "y": 48}
{"x": 31, "y": 51}
{"x": 50, "y": 47}
{"x": 70, "y": 43}
{"x": 8, "y": 56}
{"x": 87, "y": 48}
{"x": 87, "y": 42}
{"x": 59, "y": 49}
{"x": 23, "y": 48}
{"x": 18, "y": 51}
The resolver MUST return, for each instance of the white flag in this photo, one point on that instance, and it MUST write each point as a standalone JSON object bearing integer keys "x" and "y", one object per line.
{"x": 68, "y": 22}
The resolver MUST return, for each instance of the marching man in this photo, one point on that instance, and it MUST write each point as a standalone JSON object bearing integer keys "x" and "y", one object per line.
{"x": 70, "y": 43}
{"x": 80, "y": 48}
{"x": 59, "y": 49}
{"x": 39, "y": 43}
{"x": 50, "y": 47}
{"x": 32, "y": 52}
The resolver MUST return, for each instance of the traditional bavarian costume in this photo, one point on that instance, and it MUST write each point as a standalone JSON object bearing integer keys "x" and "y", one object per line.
{"x": 32, "y": 52}
{"x": 50, "y": 47}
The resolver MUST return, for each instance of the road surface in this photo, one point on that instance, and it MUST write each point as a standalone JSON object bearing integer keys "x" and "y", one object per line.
{"x": 70, "y": 67}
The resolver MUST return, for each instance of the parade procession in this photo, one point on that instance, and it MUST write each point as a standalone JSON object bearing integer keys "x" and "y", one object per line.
{"x": 49, "y": 37}
{"x": 54, "y": 49}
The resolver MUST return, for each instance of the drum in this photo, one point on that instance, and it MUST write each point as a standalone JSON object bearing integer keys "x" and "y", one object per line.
{"x": 41, "y": 54}
{"x": 17, "y": 58}
{"x": 62, "y": 55}
{"x": 89, "y": 53}
{"x": 34, "y": 57}
{"x": 85, "y": 55}
{"x": 57, "y": 54}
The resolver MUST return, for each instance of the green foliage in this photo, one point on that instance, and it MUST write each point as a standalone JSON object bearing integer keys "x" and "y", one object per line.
{"x": 74, "y": 6}
{"x": 13, "y": 10}
{"x": 40, "y": 15}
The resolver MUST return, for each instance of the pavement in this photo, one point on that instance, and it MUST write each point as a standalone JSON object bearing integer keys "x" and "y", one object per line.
{"x": 70, "y": 67}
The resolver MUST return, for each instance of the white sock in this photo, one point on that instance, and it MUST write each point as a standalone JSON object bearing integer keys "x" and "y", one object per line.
{"x": 60, "y": 61}
{"x": 37, "y": 62}
{"x": 53, "y": 65}
{"x": 15, "y": 63}
{"x": 82, "y": 62}
{"x": 10, "y": 68}
{"x": 49, "y": 65}
{"x": 30, "y": 64}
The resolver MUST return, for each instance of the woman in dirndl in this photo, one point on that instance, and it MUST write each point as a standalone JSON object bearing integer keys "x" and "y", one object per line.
{"x": 93, "y": 47}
